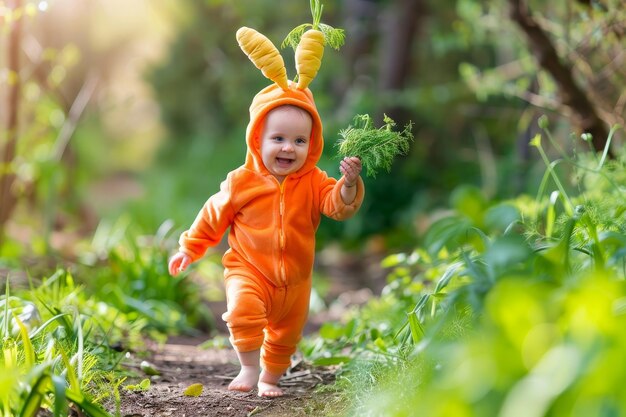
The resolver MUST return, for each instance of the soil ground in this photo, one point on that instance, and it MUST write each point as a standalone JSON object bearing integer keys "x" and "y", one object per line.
{"x": 182, "y": 363}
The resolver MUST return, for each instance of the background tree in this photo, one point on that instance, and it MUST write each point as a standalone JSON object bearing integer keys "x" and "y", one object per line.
{"x": 76, "y": 117}
{"x": 569, "y": 63}
{"x": 572, "y": 97}
{"x": 12, "y": 100}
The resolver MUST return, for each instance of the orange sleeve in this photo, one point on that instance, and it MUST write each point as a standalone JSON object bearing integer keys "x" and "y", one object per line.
{"x": 210, "y": 224}
{"x": 332, "y": 204}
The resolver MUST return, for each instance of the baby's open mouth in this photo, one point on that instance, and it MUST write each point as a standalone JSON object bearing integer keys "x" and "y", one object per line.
{"x": 284, "y": 161}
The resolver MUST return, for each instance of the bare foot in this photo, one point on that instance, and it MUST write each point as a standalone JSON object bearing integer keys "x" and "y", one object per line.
{"x": 246, "y": 380}
{"x": 269, "y": 390}
{"x": 268, "y": 385}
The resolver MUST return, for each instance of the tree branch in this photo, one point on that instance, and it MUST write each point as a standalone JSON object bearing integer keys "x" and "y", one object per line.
{"x": 572, "y": 96}
{"x": 74, "y": 115}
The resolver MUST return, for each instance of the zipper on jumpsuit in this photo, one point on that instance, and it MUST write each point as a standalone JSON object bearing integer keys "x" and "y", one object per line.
{"x": 283, "y": 274}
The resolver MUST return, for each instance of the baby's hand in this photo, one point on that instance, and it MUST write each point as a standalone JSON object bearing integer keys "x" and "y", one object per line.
{"x": 179, "y": 263}
{"x": 350, "y": 167}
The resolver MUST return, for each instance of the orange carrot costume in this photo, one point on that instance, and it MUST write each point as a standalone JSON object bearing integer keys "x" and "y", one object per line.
{"x": 272, "y": 234}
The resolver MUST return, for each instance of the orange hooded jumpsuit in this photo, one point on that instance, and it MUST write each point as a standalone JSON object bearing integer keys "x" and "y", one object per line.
{"x": 272, "y": 236}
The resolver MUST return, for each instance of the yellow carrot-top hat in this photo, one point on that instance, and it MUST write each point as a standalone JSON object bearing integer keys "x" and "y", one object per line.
{"x": 266, "y": 57}
{"x": 308, "y": 40}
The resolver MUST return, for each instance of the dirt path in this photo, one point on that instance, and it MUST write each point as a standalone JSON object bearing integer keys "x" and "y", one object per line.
{"x": 181, "y": 364}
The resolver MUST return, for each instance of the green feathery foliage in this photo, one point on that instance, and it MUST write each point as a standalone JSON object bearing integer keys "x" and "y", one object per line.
{"x": 334, "y": 37}
{"x": 375, "y": 147}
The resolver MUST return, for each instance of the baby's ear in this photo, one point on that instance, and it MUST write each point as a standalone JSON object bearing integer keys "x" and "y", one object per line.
{"x": 264, "y": 55}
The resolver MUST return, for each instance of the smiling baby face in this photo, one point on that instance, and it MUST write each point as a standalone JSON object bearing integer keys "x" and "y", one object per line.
{"x": 285, "y": 140}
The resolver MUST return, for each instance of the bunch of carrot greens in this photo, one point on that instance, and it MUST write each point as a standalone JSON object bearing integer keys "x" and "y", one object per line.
{"x": 376, "y": 147}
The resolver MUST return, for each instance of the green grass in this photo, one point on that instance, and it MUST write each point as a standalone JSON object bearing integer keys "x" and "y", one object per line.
{"x": 54, "y": 349}
{"x": 63, "y": 336}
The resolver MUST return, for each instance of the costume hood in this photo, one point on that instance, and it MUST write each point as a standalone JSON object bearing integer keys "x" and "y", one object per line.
{"x": 266, "y": 57}
{"x": 269, "y": 98}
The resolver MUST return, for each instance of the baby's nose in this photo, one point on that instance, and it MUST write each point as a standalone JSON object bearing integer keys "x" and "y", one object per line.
{"x": 287, "y": 147}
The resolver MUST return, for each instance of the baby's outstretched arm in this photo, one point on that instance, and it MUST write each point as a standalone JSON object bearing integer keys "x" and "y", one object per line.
{"x": 179, "y": 263}
{"x": 350, "y": 167}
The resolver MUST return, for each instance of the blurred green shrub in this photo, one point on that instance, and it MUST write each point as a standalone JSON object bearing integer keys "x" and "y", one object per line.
{"x": 509, "y": 309}
{"x": 129, "y": 271}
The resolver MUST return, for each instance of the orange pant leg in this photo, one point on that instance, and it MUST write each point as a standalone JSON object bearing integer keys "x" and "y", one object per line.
{"x": 247, "y": 309}
{"x": 290, "y": 310}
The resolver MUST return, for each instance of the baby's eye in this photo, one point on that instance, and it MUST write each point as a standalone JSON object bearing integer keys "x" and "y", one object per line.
{"x": 300, "y": 141}
{"x": 278, "y": 138}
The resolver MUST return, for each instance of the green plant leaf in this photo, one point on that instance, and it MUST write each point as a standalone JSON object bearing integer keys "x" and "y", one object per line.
{"x": 193, "y": 390}
{"x": 60, "y": 401}
{"x": 446, "y": 277}
{"x": 29, "y": 352}
{"x": 507, "y": 251}
{"x": 331, "y": 331}
{"x": 380, "y": 344}
{"x": 88, "y": 407}
{"x": 417, "y": 331}
{"x": 71, "y": 373}
{"x": 148, "y": 368}
{"x": 43, "y": 327}
{"x": 331, "y": 360}
{"x": 5, "y": 317}
{"x": 469, "y": 201}
{"x": 500, "y": 217}
{"x": 31, "y": 404}
{"x": 393, "y": 260}
{"x": 144, "y": 384}
{"x": 448, "y": 232}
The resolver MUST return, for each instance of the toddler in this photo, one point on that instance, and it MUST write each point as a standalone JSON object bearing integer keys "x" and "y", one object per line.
{"x": 273, "y": 204}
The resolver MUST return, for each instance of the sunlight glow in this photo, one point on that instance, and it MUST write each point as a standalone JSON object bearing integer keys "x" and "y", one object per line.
{"x": 43, "y": 6}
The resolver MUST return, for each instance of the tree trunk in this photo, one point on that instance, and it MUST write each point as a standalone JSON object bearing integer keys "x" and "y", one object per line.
{"x": 359, "y": 17}
{"x": 572, "y": 96}
{"x": 399, "y": 27}
{"x": 7, "y": 177}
